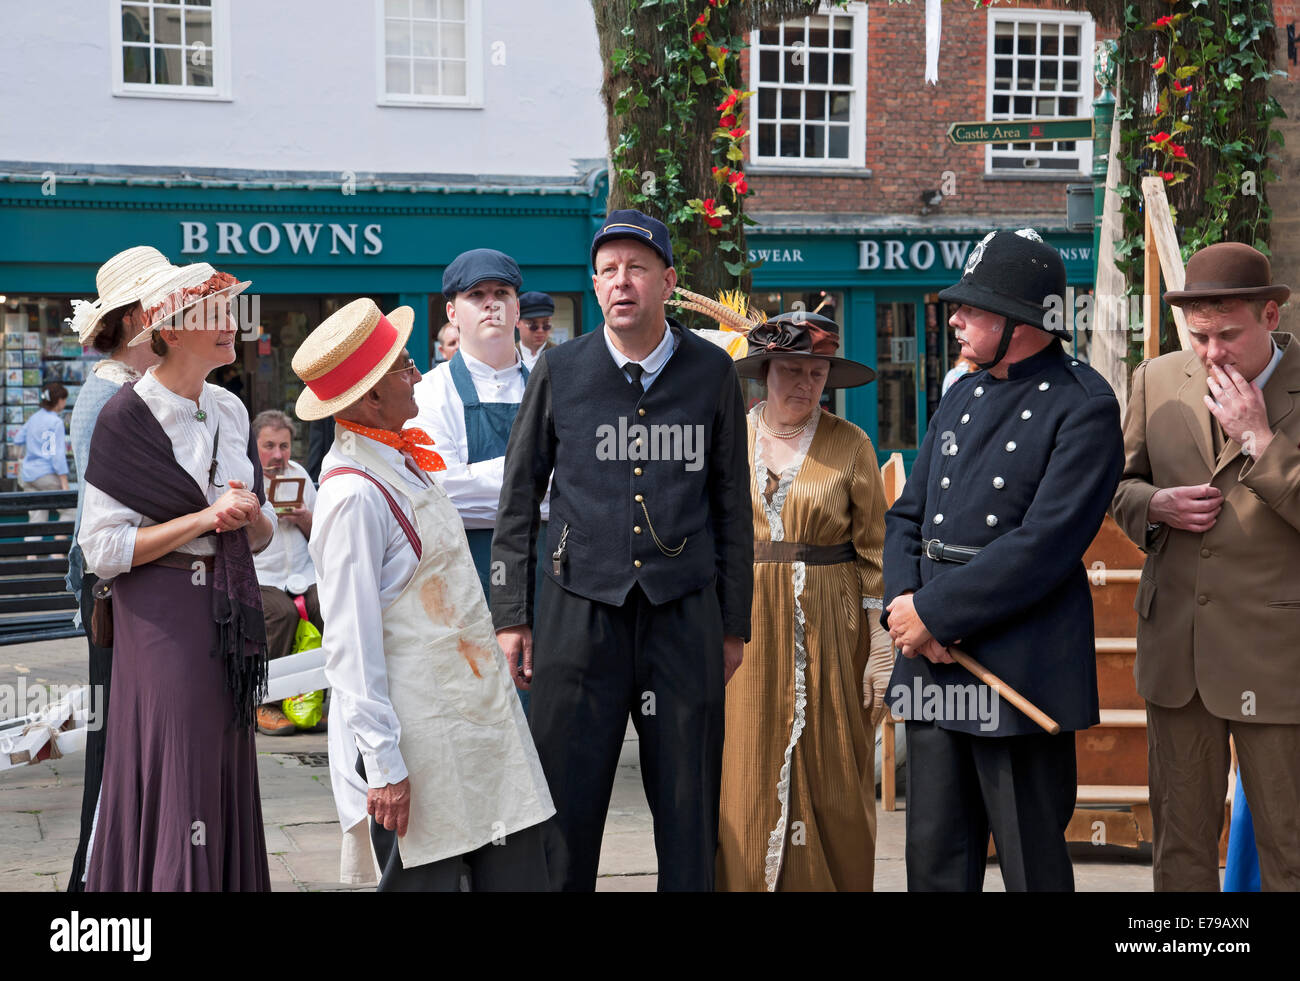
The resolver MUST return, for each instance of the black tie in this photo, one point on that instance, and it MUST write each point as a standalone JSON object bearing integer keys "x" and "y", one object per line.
{"x": 635, "y": 370}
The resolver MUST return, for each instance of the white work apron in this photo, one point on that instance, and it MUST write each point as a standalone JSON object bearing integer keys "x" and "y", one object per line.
{"x": 474, "y": 771}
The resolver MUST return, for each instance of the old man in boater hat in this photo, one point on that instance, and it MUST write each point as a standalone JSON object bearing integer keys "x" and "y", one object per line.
{"x": 454, "y": 784}
{"x": 983, "y": 552}
{"x": 1209, "y": 493}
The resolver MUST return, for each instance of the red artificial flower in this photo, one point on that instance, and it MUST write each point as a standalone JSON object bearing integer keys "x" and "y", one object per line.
{"x": 1159, "y": 64}
{"x": 728, "y": 102}
{"x": 738, "y": 181}
{"x": 1179, "y": 152}
{"x": 702, "y": 19}
{"x": 1167, "y": 174}
{"x": 1160, "y": 107}
{"x": 698, "y": 38}
{"x": 737, "y": 133}
{"x": 1181, "y": 89}
{"x": 1163, "y": 22}
{"x": 727, "y": 121}
{"x": 1162, "y": 137}
{"x": 722, "y": 51}
{"x": 713, "y": 222}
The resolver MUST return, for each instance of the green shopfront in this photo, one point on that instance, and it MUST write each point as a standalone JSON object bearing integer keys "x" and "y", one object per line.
{"x": 308, "y": 248}
{"x": 881, "y": 286}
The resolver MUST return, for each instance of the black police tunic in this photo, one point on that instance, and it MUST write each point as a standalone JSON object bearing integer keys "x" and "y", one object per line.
{"x": 1023, "y": 469}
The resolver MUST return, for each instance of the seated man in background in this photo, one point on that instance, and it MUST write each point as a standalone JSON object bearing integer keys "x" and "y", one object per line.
{"x": 284, "y": 568}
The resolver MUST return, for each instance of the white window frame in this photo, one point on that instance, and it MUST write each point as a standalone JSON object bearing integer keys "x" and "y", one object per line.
{"x": 221, "y": 78}
{"x": 474, "y": 58}
{"x": 1087, "y": 87}
{"x": 858, "y": 117}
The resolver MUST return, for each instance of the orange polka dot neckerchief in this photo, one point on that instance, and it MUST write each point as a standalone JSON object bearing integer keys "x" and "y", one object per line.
{"x": 406, "y": 441}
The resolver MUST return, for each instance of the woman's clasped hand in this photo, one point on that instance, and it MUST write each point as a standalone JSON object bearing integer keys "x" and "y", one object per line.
{"x": 234, "y": 509}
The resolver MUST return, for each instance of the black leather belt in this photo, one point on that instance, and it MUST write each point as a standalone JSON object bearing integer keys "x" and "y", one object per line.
{"x": 937, "y": 551}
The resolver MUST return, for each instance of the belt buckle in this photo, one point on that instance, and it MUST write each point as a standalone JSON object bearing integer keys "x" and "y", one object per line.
{"x": 934, "y": 550}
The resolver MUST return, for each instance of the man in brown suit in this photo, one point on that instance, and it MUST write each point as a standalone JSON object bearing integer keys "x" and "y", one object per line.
{"x": 1211, "y": 492}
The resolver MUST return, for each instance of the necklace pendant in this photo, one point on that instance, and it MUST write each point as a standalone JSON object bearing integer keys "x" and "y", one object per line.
{"x": 200, "y": 415}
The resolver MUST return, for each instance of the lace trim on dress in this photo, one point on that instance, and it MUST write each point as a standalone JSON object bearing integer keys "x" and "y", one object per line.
{"x": 772, "y": 508}
{"x": 115, "y": 372}
{"x": 776, "y": 840}
{"x": 873, "y": 603}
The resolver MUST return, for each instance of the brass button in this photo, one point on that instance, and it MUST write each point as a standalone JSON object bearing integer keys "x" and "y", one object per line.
{"x": 639, "y": 498}
{"x": 1205, "y": 553}
{"x": 636, "y": 529}
{"x": 637, "y": 563}
{"x": 1202, "y": 599}
{"x": 637, "y": 471}
{"x": 640, "y": 412}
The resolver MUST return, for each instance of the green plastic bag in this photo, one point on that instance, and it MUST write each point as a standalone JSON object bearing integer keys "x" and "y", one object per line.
{"x": 305, "y": 710}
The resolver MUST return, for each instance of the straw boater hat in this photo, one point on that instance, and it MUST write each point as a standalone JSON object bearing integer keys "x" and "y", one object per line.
{"x": 121, "y": 281}
{"x": 347, "y": 354}
{"x": 172, "y": 292}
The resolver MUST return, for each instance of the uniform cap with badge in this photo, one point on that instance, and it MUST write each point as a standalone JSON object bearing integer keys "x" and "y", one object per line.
{"x": 637, "y": 226}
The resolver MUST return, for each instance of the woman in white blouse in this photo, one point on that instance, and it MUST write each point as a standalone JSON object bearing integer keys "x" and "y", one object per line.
{"x": 173, "y": 511}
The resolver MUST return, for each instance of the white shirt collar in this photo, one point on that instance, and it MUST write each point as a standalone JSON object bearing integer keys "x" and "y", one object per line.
{"x": 484, "y": 371}
{"x": 652, "y": 362}
{"x": 1262, "y": 378}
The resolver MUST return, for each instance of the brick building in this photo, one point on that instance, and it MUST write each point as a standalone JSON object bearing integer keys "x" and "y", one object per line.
{"x": 862, "y": 198}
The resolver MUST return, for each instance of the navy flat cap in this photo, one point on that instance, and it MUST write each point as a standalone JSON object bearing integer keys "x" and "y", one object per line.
{"x": 476, "y": 265}
{"x": 535, "y": 304}
{"x": 634, "y": 225}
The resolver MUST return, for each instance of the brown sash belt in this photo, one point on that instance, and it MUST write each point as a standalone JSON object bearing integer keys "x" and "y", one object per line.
{"x": 807, "y": 554}
{"x": 184, "y": 560}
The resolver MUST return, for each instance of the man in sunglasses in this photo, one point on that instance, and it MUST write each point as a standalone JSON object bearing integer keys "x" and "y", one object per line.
{"x": 535, "y": 313}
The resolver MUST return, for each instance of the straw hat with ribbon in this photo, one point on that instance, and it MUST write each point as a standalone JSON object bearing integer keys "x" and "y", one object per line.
{"x": 169, "y": 294}
{"x": 347, "y": 354}
{"x": 121, "y": 281}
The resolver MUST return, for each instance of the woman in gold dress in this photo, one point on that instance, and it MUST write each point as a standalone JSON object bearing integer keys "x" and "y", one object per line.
{"x": 798, "y": 809}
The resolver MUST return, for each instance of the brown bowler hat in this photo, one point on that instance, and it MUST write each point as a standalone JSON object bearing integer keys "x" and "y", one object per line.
{"x": 1228, "y": 270}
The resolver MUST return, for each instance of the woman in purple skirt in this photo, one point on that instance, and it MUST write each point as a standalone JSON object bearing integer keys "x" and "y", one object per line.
{"x": 173, "y": 511}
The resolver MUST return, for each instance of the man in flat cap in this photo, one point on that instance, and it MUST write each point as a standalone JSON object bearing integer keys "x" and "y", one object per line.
{"x": 984, "y": 552}
{"x": 468, "y": 404}
{"x": 645, "y": 599}
{"x": 1209, "y": 492}
{"x": 535, "y": 312}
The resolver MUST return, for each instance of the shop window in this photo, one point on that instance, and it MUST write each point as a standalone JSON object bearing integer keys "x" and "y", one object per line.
{"x": 178, "y": 50}
{"x": 896, "y": 376}
{"x": 430, "y": 52}
{"x": 810, "y": 76}
{"x": 38, "y": 349}
{"x": 1039, "y": 67}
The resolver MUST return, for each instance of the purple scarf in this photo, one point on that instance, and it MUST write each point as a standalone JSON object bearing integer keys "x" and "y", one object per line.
{"x": 131, "y": 460}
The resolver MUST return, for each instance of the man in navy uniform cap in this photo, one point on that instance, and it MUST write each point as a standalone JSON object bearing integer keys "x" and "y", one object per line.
{"x": 535, "y": 312}
{"x": 645, "y": 603}
{"x": 468, "y": 403}
{"x": 983, "y": 551}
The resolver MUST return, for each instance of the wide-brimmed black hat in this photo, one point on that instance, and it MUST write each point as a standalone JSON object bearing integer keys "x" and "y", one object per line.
{"x": 802, "y": 335}
{"x": 1015, "y": 274}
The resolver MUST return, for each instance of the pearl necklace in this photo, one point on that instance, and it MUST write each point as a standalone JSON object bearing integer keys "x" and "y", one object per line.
{"x": 779, "y": 434}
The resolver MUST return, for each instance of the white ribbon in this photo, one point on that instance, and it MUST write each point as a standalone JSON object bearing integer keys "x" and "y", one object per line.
{"x": 933, "y": 24}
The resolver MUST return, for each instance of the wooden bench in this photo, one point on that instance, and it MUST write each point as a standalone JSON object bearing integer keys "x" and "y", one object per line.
{"x": 35, "y": 603}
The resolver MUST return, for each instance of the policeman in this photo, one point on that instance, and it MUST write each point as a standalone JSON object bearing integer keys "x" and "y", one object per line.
{"x": 535, "y": 312}
{"x": 983, "y": 551}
